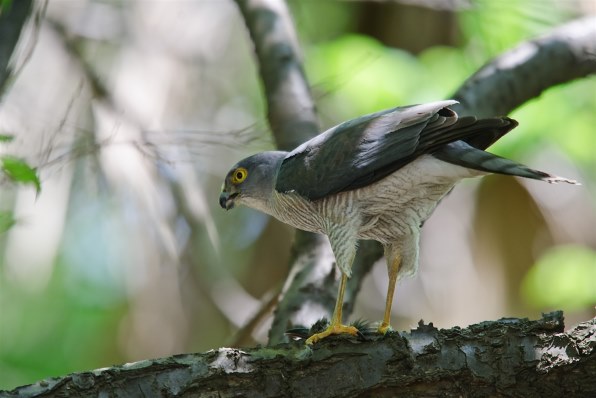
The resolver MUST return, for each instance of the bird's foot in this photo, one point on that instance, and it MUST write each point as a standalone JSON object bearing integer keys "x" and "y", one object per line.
{"x": 384, "y": 327}
{"x": 332, "y": 329}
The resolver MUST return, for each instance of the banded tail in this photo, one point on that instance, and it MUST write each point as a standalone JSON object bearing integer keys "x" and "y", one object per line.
{"x": 465, "y": 155}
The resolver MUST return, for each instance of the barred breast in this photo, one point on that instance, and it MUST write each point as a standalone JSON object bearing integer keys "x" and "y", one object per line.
{"x": 296, "y": 211}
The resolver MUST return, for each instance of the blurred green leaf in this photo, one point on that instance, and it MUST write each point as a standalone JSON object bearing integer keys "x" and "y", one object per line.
{"x": 315, "y": 23}
{"x": 356, "y": 74}
{"x": 19, "y": 171}
{"x": 490, "y": 27}
{"x": 564, "y": 278}
{"x": 445, "y": 68}
{"x": 42, "y": 332}
{"x": 7, "y": 220}
{"x": 6, "y": 138}
{"x": 553, "y": 121}
{"x": 5, "y": 4}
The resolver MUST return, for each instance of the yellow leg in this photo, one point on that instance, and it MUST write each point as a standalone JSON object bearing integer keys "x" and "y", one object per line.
{"x": 335, "y": 327}
{"x": 385, "y": 326}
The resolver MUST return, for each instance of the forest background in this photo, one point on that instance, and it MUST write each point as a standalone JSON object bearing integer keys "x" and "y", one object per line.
{"x": 132, "y": 112}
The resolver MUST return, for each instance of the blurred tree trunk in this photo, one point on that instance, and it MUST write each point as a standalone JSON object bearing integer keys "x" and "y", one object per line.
{"x": 13, "y": 16}
{"x": 409, "y": 27}
{"x": 510, "y": 357}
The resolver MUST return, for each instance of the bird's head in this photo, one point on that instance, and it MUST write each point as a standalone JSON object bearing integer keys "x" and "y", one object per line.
{"x": 251, "y": 181}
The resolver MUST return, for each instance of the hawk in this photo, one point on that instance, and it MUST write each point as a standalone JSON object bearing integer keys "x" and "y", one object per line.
{"x": 378, "y": 177}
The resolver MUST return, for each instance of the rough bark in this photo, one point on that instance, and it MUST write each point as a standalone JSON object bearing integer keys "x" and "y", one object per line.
{"x": 505, "y": 358}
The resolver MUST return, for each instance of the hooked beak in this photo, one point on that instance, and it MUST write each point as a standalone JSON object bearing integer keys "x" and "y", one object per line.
{"x": 226, "y": 200}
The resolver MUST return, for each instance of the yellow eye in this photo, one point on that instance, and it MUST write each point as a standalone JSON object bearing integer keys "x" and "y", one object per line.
{"x": 239, "y": 175}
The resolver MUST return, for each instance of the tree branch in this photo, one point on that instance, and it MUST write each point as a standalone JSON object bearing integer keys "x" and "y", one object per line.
{"x": 291, "y": 110}
{"x": 513, "y": 78}
{"x": 509, "y": 357}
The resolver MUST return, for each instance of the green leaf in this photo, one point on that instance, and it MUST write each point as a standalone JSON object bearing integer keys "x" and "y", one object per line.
{"x": 7, "y": 220}
{"x": 19, "y": 171}
{"x": 6, "y": 138}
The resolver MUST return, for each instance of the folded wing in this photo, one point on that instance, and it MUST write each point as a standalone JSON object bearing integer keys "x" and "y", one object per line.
{"x": 362, "y": 151}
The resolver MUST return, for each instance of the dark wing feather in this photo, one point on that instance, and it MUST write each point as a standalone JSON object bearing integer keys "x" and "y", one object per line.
{"x": 362, "y": 151}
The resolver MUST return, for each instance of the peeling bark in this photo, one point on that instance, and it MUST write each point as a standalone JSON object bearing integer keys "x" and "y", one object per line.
{"x": 508, "y": 357}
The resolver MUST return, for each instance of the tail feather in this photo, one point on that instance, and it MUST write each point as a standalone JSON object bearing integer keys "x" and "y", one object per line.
{"x": 462, "y": 154}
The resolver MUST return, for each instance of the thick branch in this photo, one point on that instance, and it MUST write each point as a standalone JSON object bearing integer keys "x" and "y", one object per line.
{"x": 565, "y": 54}
{"x": 509, "y": 357}
{"x": 291, "y": 110}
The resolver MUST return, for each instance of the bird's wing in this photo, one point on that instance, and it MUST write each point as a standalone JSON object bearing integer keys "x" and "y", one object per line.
{"x": 364, "y": 150}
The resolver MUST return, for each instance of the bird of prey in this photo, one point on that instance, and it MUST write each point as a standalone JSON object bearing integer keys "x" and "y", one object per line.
{"x": 378, "y": 177}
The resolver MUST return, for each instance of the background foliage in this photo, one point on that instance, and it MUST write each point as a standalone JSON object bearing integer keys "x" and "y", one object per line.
{"x": 131, "y": 112}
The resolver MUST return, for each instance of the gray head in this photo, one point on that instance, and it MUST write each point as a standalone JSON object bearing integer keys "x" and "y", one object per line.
{"x": 251, "y": 181}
